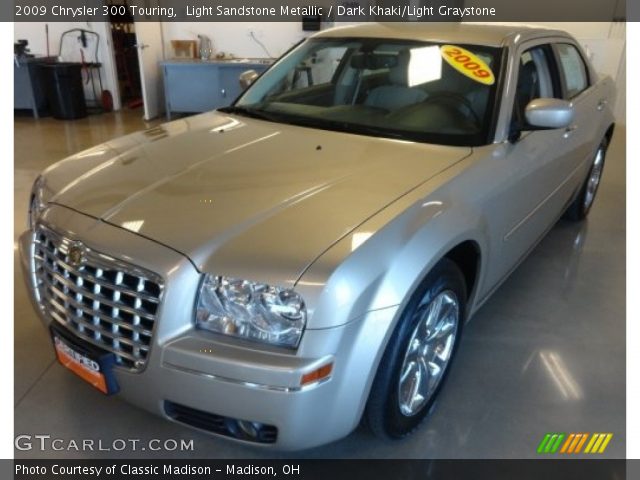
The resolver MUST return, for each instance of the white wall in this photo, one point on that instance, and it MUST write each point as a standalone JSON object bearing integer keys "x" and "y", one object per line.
{"x": 234, "y": 38}
{"x": 34, "y": 32}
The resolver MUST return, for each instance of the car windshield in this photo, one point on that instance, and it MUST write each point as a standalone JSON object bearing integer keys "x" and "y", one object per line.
{"x": 418, "y": 91}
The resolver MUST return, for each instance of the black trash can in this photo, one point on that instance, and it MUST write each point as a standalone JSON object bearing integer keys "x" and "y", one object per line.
{"x": 63, "y": 84}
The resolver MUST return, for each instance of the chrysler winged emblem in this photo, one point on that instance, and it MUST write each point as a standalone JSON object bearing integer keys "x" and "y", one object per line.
{"x": 76, "y": 254}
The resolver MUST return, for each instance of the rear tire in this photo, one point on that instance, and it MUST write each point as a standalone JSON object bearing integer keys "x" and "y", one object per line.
{"x": 581, "y": 206}
{"x": 416, "y": 361}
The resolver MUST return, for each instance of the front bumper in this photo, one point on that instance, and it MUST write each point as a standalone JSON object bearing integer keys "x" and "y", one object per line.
{"x": 213, "y": 374}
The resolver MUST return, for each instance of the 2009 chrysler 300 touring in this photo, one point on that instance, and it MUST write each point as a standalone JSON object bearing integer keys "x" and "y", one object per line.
{"x": 282, "y": 268}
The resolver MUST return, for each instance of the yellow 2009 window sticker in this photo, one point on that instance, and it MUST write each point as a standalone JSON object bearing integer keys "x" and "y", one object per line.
{"x": 468, "y": 64}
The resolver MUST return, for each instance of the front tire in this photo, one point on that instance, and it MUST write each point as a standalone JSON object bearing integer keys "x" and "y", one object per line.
{"x": 417, "y": 359}
{"x": 581, "y": 206}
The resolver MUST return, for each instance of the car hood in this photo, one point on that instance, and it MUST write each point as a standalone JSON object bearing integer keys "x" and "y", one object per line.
{"x": 244, "y": 197}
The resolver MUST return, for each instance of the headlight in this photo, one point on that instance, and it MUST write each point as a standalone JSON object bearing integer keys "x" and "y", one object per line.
{"x": 251, "y": 310}
{"x": 37, "y": 201}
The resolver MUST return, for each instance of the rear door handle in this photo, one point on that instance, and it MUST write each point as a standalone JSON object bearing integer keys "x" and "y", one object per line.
{"x": 601, "y": 105}
{"x": 570, "y": 130}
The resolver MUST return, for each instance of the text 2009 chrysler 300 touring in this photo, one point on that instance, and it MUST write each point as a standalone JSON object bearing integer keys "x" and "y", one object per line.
{"x": 277, "y": 270}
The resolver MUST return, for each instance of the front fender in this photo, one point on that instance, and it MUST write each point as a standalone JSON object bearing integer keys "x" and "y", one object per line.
{"x": 381, "y": 270}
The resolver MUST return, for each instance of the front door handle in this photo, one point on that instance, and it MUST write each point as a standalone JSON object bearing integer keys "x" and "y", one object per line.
{"x": 570, "y": 130}
{"x": 601, "y": 105}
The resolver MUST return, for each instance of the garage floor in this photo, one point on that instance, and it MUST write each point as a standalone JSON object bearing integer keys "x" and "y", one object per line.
{"x": 545, "y": 354}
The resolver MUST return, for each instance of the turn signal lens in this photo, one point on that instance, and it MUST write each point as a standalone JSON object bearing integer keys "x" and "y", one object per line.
{"x": 317, "y": 375}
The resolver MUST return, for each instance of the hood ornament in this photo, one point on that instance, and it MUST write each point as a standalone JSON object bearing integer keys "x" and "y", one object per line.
{"x": 76, "y": 254}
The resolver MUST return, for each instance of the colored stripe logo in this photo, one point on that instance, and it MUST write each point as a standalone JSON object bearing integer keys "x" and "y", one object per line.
{"x": 574, "y": 443}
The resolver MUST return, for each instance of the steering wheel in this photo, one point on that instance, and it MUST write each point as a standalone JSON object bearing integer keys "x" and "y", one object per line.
{"x": 457, "y": 100}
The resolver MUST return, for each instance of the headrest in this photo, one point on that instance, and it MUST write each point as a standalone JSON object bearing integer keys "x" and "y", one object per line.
{"x": 399, "y": 74}
{"x": 528, "y": 76}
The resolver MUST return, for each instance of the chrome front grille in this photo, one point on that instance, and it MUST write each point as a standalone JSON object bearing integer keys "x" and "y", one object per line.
{"x": 107, "y": 302}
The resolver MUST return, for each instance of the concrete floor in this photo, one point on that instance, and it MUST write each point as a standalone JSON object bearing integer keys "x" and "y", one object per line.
{"x": 545, "y": 354}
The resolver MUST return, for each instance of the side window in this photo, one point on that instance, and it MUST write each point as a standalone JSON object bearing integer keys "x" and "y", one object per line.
{"x": 534, "y": 81}
{"x": 574, "y": 71}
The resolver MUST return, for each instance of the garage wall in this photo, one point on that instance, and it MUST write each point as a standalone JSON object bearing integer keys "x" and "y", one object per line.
{"x": 234, "y": 37}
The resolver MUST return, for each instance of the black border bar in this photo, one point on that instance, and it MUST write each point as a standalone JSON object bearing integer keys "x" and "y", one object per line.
{"x": 583, "y": 469}
{"x": 333, "y": 11}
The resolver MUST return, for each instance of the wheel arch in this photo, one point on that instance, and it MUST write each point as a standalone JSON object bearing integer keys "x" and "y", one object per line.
{"x": 466, "y": 254}
{"x": 468, "y": 258}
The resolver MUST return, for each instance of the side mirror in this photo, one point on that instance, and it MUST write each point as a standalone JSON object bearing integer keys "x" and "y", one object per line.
{"x": 247, "y": 78}
{"x": 549, "y": 113}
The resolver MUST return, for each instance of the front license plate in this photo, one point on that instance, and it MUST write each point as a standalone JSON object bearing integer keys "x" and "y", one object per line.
{"x": 89, "y": 363}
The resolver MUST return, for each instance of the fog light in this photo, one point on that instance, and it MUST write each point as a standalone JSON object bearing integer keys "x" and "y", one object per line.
{"x": 251, "y": 429}
{"x": 317, "y": 375}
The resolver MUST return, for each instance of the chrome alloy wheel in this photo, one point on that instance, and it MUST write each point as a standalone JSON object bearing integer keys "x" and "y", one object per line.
{"x": 594, "y": 179}
{"x": 428, "y": 352}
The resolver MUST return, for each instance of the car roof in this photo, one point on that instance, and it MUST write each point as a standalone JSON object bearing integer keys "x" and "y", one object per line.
{"x": 486, "y": 34}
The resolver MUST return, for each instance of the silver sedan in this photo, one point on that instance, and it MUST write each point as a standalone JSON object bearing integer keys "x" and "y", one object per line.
{"x": 278, "y": 270}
